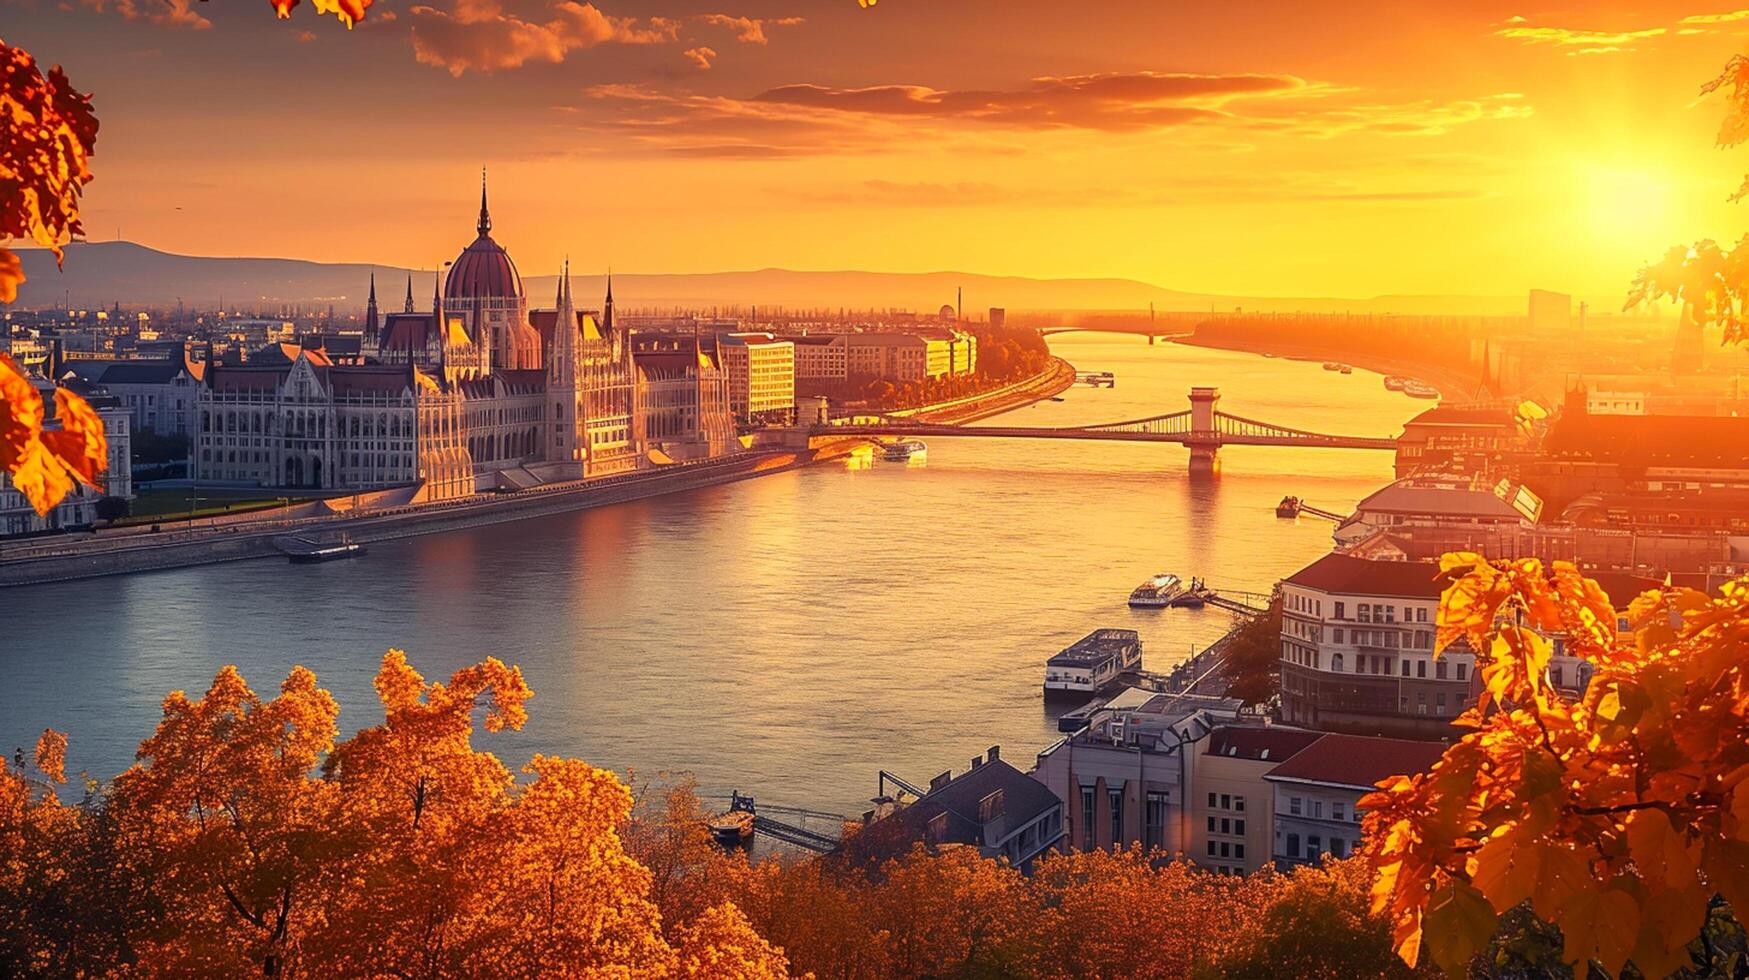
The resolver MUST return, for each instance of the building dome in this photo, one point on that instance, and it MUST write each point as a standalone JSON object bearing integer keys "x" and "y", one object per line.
{"x": 484, "y": 269}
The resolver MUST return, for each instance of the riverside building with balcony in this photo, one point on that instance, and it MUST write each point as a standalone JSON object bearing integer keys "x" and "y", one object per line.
{"x": 1357, "y": 650}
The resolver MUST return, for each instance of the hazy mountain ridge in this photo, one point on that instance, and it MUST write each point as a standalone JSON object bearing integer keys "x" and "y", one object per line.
{"x": 102, "y": 273}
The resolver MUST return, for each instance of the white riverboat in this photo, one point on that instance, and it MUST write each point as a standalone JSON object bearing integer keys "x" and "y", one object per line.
{"x": 1157, "y": 592}
{"x": 904, "y": 450}
{"x": 1092, "y": 662}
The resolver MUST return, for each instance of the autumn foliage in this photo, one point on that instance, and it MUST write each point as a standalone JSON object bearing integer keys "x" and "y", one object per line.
{"x": 250, "y": 840}
{"x": 1617, "y": 816}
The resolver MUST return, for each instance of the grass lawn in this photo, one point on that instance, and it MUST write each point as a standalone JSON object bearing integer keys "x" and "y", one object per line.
{"x": 171, "y": 503}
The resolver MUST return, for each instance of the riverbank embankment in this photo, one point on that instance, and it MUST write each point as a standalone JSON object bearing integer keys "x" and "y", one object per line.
{"x": 1452, "y": 384}
{"x": 242, "y": 537}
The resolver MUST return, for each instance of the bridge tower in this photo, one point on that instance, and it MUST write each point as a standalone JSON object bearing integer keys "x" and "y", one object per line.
{"x": 1204, "y": 438}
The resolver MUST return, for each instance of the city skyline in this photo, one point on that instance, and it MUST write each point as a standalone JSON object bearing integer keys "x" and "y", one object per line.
{"x": 1130, "y": 141}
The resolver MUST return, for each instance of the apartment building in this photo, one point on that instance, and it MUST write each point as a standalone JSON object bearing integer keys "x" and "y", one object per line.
{"x": 1232, "y": 805}
{"x": 1317, "y": 792}
{"x": 762, "y": 376}
{"x": 1124, "y": 776}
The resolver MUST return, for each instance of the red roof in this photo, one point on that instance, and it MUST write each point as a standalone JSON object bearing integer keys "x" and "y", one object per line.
{"x": 483, "y": 269}
{"x": 1363, "y": 576}
{"x": 407, "y": 331}
{"x": 1651, "y": 440}
{"x": 1358, "y": 761}
{"x": 1270, "y": 743}
{"x": 1461, "y": 416}
{"x": 390, "y": 379}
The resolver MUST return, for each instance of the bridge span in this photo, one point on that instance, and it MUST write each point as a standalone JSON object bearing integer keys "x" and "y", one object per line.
{"x": 1201, "y": 428}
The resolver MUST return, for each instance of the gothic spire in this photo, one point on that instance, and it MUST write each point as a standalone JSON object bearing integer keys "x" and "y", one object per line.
{"x": 370, "y": 309}
{"x": 607, "y": 307}
{"x": 485, "y": 226}
{"x": 409, "y": 307}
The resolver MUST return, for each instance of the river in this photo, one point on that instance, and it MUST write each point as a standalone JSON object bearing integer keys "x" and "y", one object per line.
{"x": 787, "y": 636}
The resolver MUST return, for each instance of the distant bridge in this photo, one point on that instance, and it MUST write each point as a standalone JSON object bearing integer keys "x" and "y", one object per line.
{"x": 1201, "y": 428}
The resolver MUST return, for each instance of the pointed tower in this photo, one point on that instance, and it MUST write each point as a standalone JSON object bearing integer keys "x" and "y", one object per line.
{"x": 485, "y": 225}
{"x": 564, "y": 377}
{"x": 439, "y": 328}
{"x": 1486, "y": 387}
{"x": 372, "y": 326}
{"x": 607, "y": 327}
{"x": 408, "y": 308}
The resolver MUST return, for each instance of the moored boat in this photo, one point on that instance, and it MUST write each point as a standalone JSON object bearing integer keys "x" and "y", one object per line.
{"x": 735, "y": 824}
{"x": 1346, "y": 369}
{"x": 1093, "y": 662}
{"x": 1420, "y": 389}
{"x": 1332, "y": 366}
{"x": 1156, "y": 593}
{"x": 1395, "y": 382}
{"x": 904, "y": 450}
{"x": 1289, "y": 507}
{"x": 315, "y": 554}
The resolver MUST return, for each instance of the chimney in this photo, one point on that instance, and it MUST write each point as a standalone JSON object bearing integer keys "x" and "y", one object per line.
{"x": 977, "y": 760}
{"x": 995, "y": 753}
{"x": 941, "y": 780}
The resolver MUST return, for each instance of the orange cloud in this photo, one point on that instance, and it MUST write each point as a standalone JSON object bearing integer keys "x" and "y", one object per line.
{"x": 808, "y": 120}
{"x": 750, "y": 30}
{"x": 1725, "y": 18}
{"x": 165, "y": 13}
{"x": 700, "y": 57}
{"x": 479, "y": 35}
{"x": 1567, "y": 37}
{"x": 1112, "y": 102}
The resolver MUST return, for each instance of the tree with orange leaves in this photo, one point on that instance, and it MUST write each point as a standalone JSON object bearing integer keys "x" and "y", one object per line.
{"x": 1617, "y": 816}
{"x": 249, "y": 841}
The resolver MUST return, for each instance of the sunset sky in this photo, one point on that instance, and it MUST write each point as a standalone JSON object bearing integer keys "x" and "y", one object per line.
{"x": 1347, "y": 149}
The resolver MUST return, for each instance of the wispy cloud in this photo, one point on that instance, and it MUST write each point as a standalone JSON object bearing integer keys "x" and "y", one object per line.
{"x": 700, "y": 57}
{"x": 1724, "y": 18}
{"x": 806, "y": 119}
{"x": 165, "y": 13}
{"x": 749, "y": 30}
{"x": 481, "y": 36}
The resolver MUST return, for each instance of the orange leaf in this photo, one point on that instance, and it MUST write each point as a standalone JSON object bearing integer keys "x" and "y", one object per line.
{"x": 350, "y": 12}
{"x": 51, "y": 754}
{"x": 11, "y": 275}
{"x": 79, "y": 443}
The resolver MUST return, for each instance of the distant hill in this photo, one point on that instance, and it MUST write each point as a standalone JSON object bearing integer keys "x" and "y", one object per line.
{"x": 102, "y": 273}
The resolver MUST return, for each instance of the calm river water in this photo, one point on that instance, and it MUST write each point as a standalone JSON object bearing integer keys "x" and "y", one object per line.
{"x": 789, "y": 635}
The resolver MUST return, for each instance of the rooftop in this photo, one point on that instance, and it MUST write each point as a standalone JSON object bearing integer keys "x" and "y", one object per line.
{"x": 1270, "y": 743}
{"x": 1348, "y": 575}
{"x": 1358, "y": 761}
{"x": 1097, "y": 647}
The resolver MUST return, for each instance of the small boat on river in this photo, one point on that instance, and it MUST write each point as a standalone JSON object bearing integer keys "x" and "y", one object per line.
{"x": 1395, "y": 382}
{"x": 734, "y": 825}
{"x": 1157, "y": 592}
{"x": 904, "y": 450}
{"x": 1289, "y": 507}
{"x": 308, "y": 553}
{"x": 1420, "y": 389}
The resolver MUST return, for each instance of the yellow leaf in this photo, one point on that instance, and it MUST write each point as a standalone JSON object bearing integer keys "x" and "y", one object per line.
{"x": 1600, "y": 924}
{"x": 1457, "y": 926}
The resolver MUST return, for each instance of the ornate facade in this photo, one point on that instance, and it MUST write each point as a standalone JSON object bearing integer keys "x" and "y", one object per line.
{"x": 476, "y": 394}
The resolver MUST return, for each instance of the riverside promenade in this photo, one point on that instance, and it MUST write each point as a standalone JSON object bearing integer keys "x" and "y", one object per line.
{"x": 124, "y": 551}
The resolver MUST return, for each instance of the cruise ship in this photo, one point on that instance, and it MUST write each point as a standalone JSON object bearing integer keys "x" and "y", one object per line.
{"x": 1092, "y": 662}
{"x": 904, "y": 450}
{"x": 1156, "y": 593}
